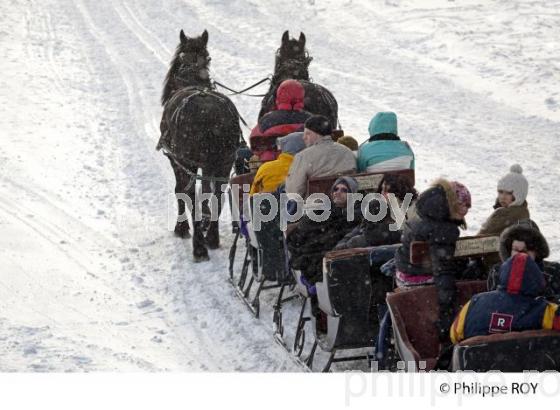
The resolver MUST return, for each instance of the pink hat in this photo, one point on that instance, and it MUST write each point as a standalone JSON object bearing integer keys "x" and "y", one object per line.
{"x": 463, "y": 194}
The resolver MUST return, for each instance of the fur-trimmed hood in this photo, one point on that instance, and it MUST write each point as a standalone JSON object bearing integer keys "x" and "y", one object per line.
{"x": 438, "y": 201}
{"x": 527, "y": 231}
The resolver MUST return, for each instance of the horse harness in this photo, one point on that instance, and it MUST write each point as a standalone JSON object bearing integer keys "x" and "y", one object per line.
{"x": 167, "y": 151}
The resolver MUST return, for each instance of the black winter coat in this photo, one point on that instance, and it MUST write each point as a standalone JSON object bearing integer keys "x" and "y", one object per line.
{"x": 371, "y": 233}
{"x": 310, "y": 240}
{"x": 434, "y": 226}
{"x": 281, "y": 117}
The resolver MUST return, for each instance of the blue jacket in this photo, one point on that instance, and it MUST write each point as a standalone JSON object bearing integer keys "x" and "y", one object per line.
{"x": 514, "y": 306}
{"x": 385, "y": 155}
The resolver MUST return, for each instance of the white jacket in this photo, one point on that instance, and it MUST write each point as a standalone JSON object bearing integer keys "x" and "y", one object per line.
{"x": 321, "y": 159}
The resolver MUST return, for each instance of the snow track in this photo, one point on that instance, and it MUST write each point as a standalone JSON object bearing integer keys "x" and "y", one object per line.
{"x": 91, "y": 278}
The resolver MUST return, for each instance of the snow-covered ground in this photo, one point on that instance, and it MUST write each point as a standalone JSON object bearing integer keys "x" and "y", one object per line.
{"x": 90, "y": 276}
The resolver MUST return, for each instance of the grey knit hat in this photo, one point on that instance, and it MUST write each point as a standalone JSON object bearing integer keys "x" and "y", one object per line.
{"x": 291, "y": 143}
{"x": 516, "y": 183}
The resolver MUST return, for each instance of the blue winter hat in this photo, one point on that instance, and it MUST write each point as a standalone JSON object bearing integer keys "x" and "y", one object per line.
{"x": 291, "y": 143}
{"x": 383, "y": 123}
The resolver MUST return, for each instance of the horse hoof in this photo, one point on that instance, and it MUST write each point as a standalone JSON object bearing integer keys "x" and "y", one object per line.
{"x": 212, "y": 244}
{"x": 181, "y": 231}
{"x": 183, "y": 235}
{"x": 201, "y": 258}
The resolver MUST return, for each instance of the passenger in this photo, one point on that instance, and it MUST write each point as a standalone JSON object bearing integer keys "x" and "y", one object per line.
{"x": 242, "y": 157}
{"x": 511, "y": 204}
{"x": 273, "y": 173}
{"x": 515, "y": 306}
{"x": 322, "y": 157}
{"x": 255, "y": 162}
{"x": 440, "y": 211}
{"x": 310, "y": 240}
{"x": 384, "y": 151}
{"x": 349, "y": 142}
{"x": 370, "y": 233}
{"x": 289, "y": 115}
{"x": 526, "y": 237}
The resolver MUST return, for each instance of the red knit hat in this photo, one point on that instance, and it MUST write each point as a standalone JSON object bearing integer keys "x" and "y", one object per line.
{"x": 290, "y": 95}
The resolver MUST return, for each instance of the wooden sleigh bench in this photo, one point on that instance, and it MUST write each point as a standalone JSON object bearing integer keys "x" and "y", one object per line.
{"x": 414, "y": 312}
{"x": 367, "y": 182}
{"x": 530, "y": 350}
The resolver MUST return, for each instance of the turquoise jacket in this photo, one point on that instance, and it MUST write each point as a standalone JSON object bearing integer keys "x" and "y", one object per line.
{"x": 385, "y": 155}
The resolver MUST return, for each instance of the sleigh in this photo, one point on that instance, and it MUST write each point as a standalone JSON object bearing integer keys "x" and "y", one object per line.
{"x": 348, "y": 299}
{"x": 264, "y": 264}
{"x": 351, "y": 290}
{"x": 414, "y": 314}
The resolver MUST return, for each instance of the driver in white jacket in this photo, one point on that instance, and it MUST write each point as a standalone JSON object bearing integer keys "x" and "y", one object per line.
{"x": 322, "y": 157}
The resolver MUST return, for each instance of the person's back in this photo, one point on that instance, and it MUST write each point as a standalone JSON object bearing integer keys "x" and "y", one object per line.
{"x": 289, "y": 115}
{"x": 514, "y": 306}
{"x": 272, "y": 174}
{"x": 322, "y": 157}
{"x": 384, "y": 151}
{"x": 328, "y": 158}
{"x": 432, "y": 224}
{"x": 440, "y": 210}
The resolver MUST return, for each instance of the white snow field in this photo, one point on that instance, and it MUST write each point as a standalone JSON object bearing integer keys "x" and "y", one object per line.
{"x": 91, "y": 278}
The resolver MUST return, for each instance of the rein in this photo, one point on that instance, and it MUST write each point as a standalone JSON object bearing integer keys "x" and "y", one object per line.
{"x": 234, "y": 92}
{"x": 194, "y": 175}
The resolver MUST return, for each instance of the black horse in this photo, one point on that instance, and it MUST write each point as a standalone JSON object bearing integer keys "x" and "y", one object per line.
{"x": 292, "y": 61}
{"x": 199, "y": 129}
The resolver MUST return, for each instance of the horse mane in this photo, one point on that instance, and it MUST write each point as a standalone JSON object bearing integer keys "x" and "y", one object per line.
{"x": 292, "y": 61}
{"x": 296, "y": 67}
{"x": 170, "y": 83}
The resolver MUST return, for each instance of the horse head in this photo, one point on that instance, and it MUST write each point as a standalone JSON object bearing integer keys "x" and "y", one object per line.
{"x": 189, "y": 66}
{"x": 292, "y": 59}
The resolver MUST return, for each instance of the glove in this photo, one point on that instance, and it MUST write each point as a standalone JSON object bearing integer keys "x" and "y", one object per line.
{"x": 389, "y": 268}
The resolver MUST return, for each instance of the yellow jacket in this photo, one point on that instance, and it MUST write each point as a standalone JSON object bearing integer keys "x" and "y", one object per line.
{"x": 271, "y": 174}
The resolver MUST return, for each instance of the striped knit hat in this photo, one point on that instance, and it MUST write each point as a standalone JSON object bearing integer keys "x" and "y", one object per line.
{"x": 463, "y": 194}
